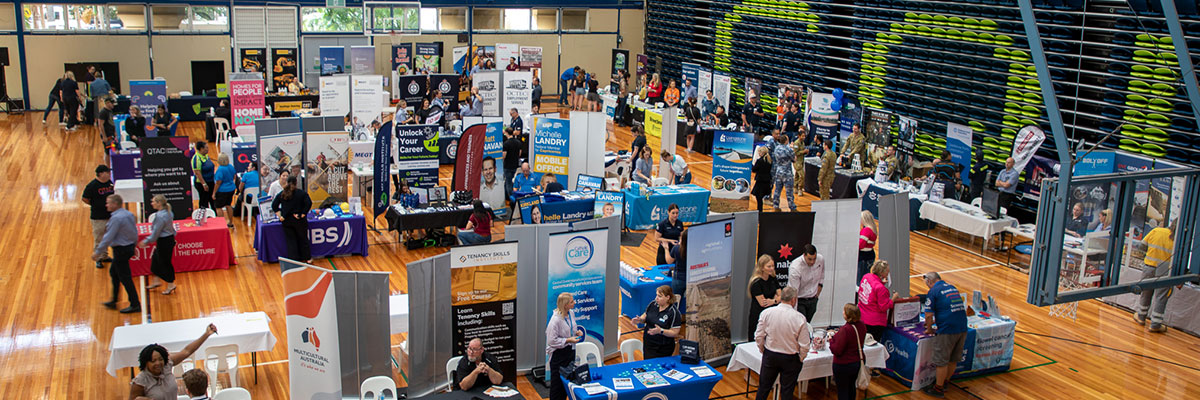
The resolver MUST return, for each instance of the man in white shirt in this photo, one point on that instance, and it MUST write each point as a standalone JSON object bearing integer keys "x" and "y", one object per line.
{"x": 783, "y": 338}
{"x": 679, "y": 172}
{"x": 806, "y": 275}
{"x": 491, "y": 191}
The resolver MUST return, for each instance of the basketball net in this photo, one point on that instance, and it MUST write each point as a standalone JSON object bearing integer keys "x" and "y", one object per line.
{"x": 1066, "y": 310}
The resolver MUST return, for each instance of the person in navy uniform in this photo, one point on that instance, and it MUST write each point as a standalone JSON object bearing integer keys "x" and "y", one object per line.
{"x": 663, "y": 320}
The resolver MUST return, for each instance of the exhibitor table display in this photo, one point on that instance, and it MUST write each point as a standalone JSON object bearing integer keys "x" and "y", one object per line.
{"x": 639, "y": 286}
{"x": 988, "y": 348}
{"x": 283, "y": 105}
{"x": 869, "y": 191}
{"x": 344, "y": 234}
{"x": 192, "y": 108}
{"x": 475, "y": 394}
{"x": 659, "y": 378}
{"x": 965, "y": 218}
{"x": 704, "y": 138}
{"x": 401, "y": 218}
{"x": 646, "y": 206}
{"x": 843, "y": 182}
{"x": 251, "y": 332}
{"x": 126, "y": 164}
{"x": 197, "y": 247}
{"x": 565, "y": 207}
{"x": 818, "y": 363}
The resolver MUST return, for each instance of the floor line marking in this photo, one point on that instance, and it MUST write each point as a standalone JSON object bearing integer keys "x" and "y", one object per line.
{"x": 959, "y": 270}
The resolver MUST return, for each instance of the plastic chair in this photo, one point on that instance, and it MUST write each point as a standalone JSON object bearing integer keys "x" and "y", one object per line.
{"x": 376, "y": 386}
{"x": 235, "y": 393}
{"x": 248, "y": 207}
{"x": 218, "y": 359}
{"x": 221, "y": 125}
{"x": 451, "y": 365}
{"x": 628, "y": 348}
{"x": 585, "y": 349}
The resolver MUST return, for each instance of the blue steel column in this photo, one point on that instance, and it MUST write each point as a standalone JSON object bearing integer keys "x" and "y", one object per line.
{"x": 19, "y": 9}
{"x": 1181, "y": 52}
{"x": 1049, "y": 240}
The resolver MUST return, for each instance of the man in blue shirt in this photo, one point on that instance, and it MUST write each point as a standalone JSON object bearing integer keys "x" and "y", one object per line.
{"x": 945, "y": 306}
{"x": 525, "y": 181}
{"x": 564, "y": 82}
{"x": 120, "y": 234}
{"x": 1006, "y": 182}
{"x": 99, "y": 87}
{"x": 689, "y": 90}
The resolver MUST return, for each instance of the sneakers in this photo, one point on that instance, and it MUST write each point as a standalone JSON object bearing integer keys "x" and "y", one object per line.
{"x": 1139, "y": 319}
{"x": 934, "y": 390}
{"x": 1158, "y": 328}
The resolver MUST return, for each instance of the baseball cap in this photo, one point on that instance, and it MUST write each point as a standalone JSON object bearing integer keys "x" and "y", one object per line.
{"x": 102, "y": 168}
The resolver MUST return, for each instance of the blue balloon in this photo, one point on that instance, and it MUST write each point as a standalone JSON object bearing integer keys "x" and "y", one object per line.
{"x": 837, "y": 94}
{"x": 836, "y": 104}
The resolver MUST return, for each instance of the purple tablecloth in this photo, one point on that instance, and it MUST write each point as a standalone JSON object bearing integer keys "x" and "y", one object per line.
{"x": 329, "y": 237}
{"x": 126, "y": 165}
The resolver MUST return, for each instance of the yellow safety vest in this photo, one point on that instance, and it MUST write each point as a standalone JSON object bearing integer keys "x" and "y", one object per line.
{"x": 1158, "y": 246}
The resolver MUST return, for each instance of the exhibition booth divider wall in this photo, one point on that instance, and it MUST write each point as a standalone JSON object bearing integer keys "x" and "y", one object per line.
{"x": 281, "y": 144}
{"x": 838, "y": 222}
{"x": 893, "y": 223}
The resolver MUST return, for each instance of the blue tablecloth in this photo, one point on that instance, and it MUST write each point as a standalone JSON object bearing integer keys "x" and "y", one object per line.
{"x": 568, "y": 210}
{"x": 694, "y": 388}
{"x": 329, "y": 237}
{"x": 645, "y": 212}
{"x": 635, "y": 296}
{"x": 988, "y": 348}
{"x": 870, "y": 202}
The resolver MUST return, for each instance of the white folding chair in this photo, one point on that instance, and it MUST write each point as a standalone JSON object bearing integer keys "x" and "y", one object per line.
{"x": 248, "y": 207}
{"x": 451, "y": 365}
{"x": 375, "y": 387}
{"x": 235, "y": 393}
{"x": 628, "y": 347}
{"x": 977, "y": 202}
{"x": 585, "y": 349}
{"x": 218, "y": 359}
{"x": 221, "y": 125}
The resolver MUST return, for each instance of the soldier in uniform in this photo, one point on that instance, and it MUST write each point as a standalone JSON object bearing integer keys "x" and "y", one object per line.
{"x": 828, "y": 163}
{"x": 856, "y": 143}
{"x": 889, "y": 157}
{"x": 801, "y": 153}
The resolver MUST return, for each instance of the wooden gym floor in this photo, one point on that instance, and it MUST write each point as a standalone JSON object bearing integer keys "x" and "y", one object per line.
{"x": 54, "y": 333}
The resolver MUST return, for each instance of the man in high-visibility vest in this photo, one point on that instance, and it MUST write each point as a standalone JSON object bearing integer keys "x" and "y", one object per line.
{"x": 1160, "y": 242}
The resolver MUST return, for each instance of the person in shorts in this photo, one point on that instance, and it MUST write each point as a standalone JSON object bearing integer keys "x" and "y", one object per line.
{"x": 945, "y": 307}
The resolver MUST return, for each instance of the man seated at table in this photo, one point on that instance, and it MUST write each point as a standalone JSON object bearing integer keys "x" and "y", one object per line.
{"x": 549, "y": 184}
{"x": 476, "y": 369}
{"x": 1078, "y": 223}
{"x": 524, "y": 182}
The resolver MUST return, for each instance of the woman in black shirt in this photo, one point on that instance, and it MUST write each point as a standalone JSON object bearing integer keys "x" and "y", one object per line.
{"x": 678, "y": 256}
{"x": 762, "y": 176}
{"x": 292, "y": 207}
{"x": 667, "y": 234}
{"x": 135, "y": 125}
{"x": 163, "y": 121}
{"x": 663, "y": 320}
{"x": 763, "y": 290}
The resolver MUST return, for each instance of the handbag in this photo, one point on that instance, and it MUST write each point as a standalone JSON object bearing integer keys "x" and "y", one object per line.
{"x": 864, "y": 373}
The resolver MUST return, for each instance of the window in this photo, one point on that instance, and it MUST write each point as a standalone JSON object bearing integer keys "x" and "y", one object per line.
{"x": 189, "y": 18}
{"x": 452, "y": 19}
{"x": 322, "y": 19}
{"x": 89, "y": 17}
{"x": 486, "y": 19}
{"x": 542, "y": 19}
{"x": 574, "y": 19}
{"x": 394, "y": 17}
{"x": 127, "y": 17}
{"x": 168, "y": 18}
{"x": 210, "y": 19}
{"x": 429, "y": 20}
{"x": 545, "y": 19}
{"x": 516, "y": 19}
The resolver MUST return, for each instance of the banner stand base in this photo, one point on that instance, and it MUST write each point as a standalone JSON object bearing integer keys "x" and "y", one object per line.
{"x": 538, "y": 374}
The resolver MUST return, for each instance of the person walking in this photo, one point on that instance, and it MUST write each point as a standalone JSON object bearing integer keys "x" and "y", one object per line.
{"x": 875, "y": 299}
{"x": 121, "y": 235}
{"x": 846, "y": 346}
{"x": 784, "y": 176}
{"x": 866, "y": 244}
{"x": 223, "y": 181}
{"x": 205, "y": 172}
{"x": 162, "y": 234}
{"x": 692, "y": 115}
{"x": 945, "y": 307}
{"x": 55, "y": 98}
{"x": 828, "y": 165}
{"x": 763, "y": 176}
{"x": 763, "y": 290}
{"x": 1160, "y": 244}
{"x": 561, "y": 336}
{"x": 806, "y": 274}
{"x": 783, "y": 339}
{"x": 95, "y": 195}
{"x": 291, "y": 206}
{"x": 68, "y": 91}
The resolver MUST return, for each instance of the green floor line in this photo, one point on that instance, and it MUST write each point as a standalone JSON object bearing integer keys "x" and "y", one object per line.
{"x": 1051, "y": 361}
{"x": 402, "y": 375}
{"x": 331, "y": 264}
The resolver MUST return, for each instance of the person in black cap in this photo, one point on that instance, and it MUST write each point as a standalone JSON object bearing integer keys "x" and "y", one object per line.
{"x": 94, "y": 195}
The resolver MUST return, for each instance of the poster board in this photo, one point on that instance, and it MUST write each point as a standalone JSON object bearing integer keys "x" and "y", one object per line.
{"x": 166, "y": 170}
{"x": 335, "y": 95}
{"x": 489, "y": 85}
{"x": 283, "y": 67}
{"x": 550, "y": 147}
{"x": 280, "y": 153}
{"x": 733, "y": 153}
{"x": 247, "y": 103}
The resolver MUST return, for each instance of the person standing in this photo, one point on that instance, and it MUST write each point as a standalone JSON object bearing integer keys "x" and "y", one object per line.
{"x": 565, "y": 82}
{"x": 643, "y": 167}
{"x": 1160, "y": 244}
{"x": 55, "y": 98}
{"x": 164, "y": 121}
{"x": 639, "y": 143}
{"x": 945, "y": 307}
{"x": 663, "y": 320}
{"x": 104, "y": 118}
{"x": 671, "y": 95}
{"x": 97, "y": 90}
{"x": 846, "y": 346}
{"x": 667, "y": 234}
{"x": 680, "y": 172}
{"x": 654, "y": 90}
{"x": 763, "y": 290}
{"x": 783, "y": 339}
{"x": 784, "y": 176}
{"x": 709, "y": 106}
{"x": 792, "y": 121}
{"x": 135, "y": 125}
{"x": 162, "y": 234}
{"x": 678, "y": 256}
{"x": 622, "y": 97}
{"x": 691, "y": 114}
{"x": 223, "y": 180}
{"x": 121, "y": 235}
{"x": 291, "y": 206}
{"x": 537, "y": 91}
{"x": 763, "y": 176}
{"x": 751, "y": 114}
{"x": 479, "y": 226}
{"x": 593, "y": 94}
{"x": 689, "y": 90}
{"x": 826, "y": 175}
{"x": 205, "y": 172}
{"x": 875, "y": 300}
{"x": 511, "y": 153}
{"x": 516, "y": 123}
{"x": 68, "y": 91}
{"x": 806, "y": 274}
{"x": 866, "y": 244}
{"x": 95, "y": 195}
{"x": 561, "y": 336}
{"x": 855, "y": 145}
{"x": 1006, "y": 183}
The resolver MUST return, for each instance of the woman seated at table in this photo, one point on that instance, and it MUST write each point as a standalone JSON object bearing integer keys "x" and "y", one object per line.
{"x": 157, "y": 381}
{"x": 846, "y": 347}
{"x": 164, "y": 121}
{"x": 1104, "y": 223}
{"x": 663, "y": 320}
{"x": 549, "y": 184}
{"x": 277, "y": 186}
{"x": 667, "y": 233}
{"x": 479, "y": 226}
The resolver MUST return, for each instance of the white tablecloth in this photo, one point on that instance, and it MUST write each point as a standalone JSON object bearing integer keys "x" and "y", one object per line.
{"x": 399, "y": 310}
{"x": 816, "y": 365}
{"x": 965, "y": 218}
{"x": 129, "y": 189}
{"x": 251, "y": 332}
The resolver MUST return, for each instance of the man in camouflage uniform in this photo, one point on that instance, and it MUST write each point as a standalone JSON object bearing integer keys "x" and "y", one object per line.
{"x": 828, "y": 164}
{"x": 889, "y": 157}
{"x": 801, "y": 152}
{"x": 856, "y": 143}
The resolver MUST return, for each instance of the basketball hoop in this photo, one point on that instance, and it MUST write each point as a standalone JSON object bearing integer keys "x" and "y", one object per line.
{"x": 1066, "y": 310}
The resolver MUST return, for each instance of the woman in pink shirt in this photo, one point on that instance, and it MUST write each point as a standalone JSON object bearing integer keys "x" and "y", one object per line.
{"x": 866, "y": 244}
{"x": 874, "y": 299}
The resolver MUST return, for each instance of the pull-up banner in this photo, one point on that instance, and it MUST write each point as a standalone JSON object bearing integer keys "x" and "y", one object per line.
{"x": 367, "y": 95}
{"x": 328, "y": 159}
{"x": 428, "y": 59}
{"x": 783, "y": 235}
{"x": 148, "y": 95}
{"x": 166, "y": 171}
{"x": 577, "y": 263}
{"x": 247, "y": 102}
{"x": 362, "y": 60}
{"x": 468, "y": 166}
{"x": 333, "y": 60}
{"x": 488, "y": 83}
{"x": 732, "y": 155}
{"x": 518, "y": 92}
{"x": 283, "y": 67}
{"x": 417, "y": 154}
{"x": 280, "y": 153}
{"x": 413, "y": 89}
{"x": 402, "y": 58}
{"x": 382, "y": 168}
{"x": 958, "y": 142}
{"x": 483, "y": 293}
{"x": 551, "y": 148}
{"x": 706, "y": 299}
{"x": 335, "y": 95}
{"x": 449, "y": 86}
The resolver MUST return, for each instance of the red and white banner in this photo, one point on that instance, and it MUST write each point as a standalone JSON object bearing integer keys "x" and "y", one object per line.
{"x": 197, "y": 248}
{"x": 314, "y": 356}
{"x": 246, "y": 103}
{"x": 1026, "y": 144}
{"x": 468, "y": 167}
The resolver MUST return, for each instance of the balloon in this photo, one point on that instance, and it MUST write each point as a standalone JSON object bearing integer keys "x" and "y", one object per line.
{"x": 836, "y": 104}
{"x": 837, "y": 94}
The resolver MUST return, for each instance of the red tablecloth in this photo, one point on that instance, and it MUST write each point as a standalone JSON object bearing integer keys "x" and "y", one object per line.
{"x": 197, "y": 248}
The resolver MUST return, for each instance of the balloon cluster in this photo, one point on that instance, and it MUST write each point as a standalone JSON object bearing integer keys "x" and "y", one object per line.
{"x": 837, "y": 100}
